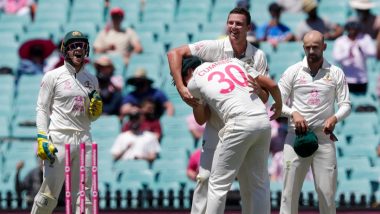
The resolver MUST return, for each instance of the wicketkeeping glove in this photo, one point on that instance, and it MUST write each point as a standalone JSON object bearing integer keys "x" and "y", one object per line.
{"x": 96, "y": 105}
{"x": 45, "y": 150}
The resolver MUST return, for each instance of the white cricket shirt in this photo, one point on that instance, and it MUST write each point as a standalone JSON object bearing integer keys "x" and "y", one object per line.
{"x": 216, "y": 50}
{"x": 63, "y": 99}
{"x": 314, "y": 97}
{"x": 135, "y": 146}
{"x": 223, "y": 85}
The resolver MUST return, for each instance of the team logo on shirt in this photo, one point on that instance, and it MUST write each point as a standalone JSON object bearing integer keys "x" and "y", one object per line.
{"x": 302, "y": 80}
{"x": 67, "y": 85}
{"x": 327, "y": 77}
{"x": 199, "y": 46}
{"x": 87, "y": 84}
{"x": 314, "y": 99}
{"x": 250, "y": 61}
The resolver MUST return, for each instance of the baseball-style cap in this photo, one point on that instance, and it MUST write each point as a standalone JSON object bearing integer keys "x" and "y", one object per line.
{"x": 361, "y": 4}
{"x": 117, "y": 11}
{"x": 191, "y": 62}
{"x": 306, "y": 144}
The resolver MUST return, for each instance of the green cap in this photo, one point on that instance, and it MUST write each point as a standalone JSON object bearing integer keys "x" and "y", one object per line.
{"x": 75, "y": 36}
{"x": 306, "y": 144}
{"x": 191, "y": 62}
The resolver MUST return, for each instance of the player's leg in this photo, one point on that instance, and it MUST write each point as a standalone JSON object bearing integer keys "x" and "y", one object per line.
{"x": 200, "y": 191}
{"x": 295, "y": 169}
{"x": 253, "y": 176}
{"x": 228, "y": 157}
{"x": 324, "y": 166}
{"x": 46, "y": 199}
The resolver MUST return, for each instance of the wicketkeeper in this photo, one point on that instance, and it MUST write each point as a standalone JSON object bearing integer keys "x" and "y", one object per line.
{"x": 68, "y": 102}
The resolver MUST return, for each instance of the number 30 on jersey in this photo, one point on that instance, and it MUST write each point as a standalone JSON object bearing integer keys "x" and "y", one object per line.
{"x": 229, "y": 77}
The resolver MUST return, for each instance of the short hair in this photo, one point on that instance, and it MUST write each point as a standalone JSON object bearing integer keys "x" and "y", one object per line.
{"x": 187, "y": 63}
{"x": 352, "y": 25}
{"x": 275, "y": 8}
{"x": 242, "y": 11}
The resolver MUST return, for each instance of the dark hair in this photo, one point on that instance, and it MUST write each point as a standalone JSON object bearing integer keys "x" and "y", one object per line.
{"x": 275, "y": 8}
{"x": 354, "y": 25}
{"x": 242, "y": 11}
{"x": 190, "y": 62}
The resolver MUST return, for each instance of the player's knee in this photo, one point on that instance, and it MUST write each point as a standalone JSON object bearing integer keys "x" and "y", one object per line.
{"x": 44, "y": 204}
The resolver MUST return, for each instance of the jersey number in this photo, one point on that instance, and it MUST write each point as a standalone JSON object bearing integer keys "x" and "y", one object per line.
{"x": 230, "y": 80}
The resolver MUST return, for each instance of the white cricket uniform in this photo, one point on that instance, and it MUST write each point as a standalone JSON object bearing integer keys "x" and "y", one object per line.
{"x": 313, "y": 98}
{"x": 133, "y": 146}
{"x": 212, "y": 51}
{"x": 62, "y": 113}
{"x": 244, "y": 139}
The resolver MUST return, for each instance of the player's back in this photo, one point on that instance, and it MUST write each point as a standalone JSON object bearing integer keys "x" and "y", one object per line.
{"x": 224, "y": 86}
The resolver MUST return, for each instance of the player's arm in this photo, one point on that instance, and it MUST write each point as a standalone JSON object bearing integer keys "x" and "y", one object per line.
{"x": 201, "y": 113}
{"x": 273, "y": 89}
{"x": 342, "y": 95}
{"x": 45, "y": 149}
{"x": 175, "y": 64}
{"x": 262, "y": 93}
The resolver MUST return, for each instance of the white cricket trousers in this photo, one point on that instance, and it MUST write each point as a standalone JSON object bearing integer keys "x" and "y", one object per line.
{"x": 324, "y": 167}
{"x": 244, "y": 145}
{"x": 53, "y": 175}
{"x": 200, "y": 192}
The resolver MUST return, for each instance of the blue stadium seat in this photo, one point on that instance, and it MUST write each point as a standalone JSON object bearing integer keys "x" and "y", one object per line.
{"x": 10, "y": 18}
{"x": 145, "y": 177}
{"x": 349, "y": 163}
{"x": 368, "y": 140}
{"x": 357, "y": 187}
{"x": 45, "y": 34}
{"x": 192, "y": 29}
{"x": 157, "y": 27}
{"x": 16, "y": 27}
{"x": 362, "y": 129}
{"x": 165, "y": 16}
{"x": 192, "y": 16}
{"x": 174, "y": 39}
{"x": 371, "y": 174}
{"x": 56, "y": 16}
{"x": 52, "y": 27}
{"x": 358, "y": 117}
{"x": 106, "y": 125}
{"x": 360, "y": 151}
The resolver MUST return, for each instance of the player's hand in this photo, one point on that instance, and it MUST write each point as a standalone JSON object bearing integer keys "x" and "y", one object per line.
{"x": 256, "y": 88}
{"x": 300, "y": 123}
{"x": 329, "y": 125}
{"x": 276, "y": 108}
{"x": 96, "y": 104}
{"x": 45, "y": 150}
{"x": 187, "y": 97}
